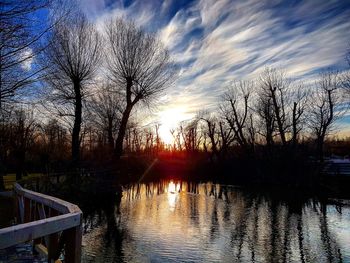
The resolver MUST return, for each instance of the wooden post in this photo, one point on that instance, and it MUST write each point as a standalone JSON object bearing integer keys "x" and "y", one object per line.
{"x": 52, "y": 246}
{"x": 16, "y": 206}
{"x": 73, "y": 244}
{"x": 36, "y": 241}
{"x": 27, "y": 209}
{"x": 21, "y": 208}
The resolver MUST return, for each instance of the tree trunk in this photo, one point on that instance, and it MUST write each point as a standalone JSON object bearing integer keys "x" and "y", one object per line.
{"x": 121, "y": 132}
{"x": 20, "y": 156}
{"x": 294, "y": 124}
{"x": 77, "y": 125}
{"x": 110, "y": 134}
{"x": 278, "y": 119}
{"x": 320, "y": 142}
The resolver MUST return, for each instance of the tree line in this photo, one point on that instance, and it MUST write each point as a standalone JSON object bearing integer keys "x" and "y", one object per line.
{"x": 271, "y": 111}
{"x": 89, "y": 81}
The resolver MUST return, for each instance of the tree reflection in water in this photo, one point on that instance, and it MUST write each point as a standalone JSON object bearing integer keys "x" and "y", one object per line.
{"x": 214, "y": 223}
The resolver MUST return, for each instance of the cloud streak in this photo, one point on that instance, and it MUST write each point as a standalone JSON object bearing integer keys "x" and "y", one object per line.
{"x": 214, "y": 42}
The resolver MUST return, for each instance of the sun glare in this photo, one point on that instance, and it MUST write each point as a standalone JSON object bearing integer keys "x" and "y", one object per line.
{"x": 173, "y": 188}
{"x": 170, "y": 119}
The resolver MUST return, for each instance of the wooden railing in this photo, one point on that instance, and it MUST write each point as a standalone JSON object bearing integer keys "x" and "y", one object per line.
{"x": 54, "y": 225}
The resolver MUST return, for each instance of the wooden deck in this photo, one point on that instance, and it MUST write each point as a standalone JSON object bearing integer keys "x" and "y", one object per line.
{"x": 21, "y": 253}
{"x": 53, "y": 226}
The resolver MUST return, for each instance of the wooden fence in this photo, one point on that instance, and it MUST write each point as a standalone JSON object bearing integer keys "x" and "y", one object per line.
{"x": 54, "y": 225}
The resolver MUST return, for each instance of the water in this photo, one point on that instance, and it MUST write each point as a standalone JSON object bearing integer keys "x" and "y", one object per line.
{"x": 182, "y": 222}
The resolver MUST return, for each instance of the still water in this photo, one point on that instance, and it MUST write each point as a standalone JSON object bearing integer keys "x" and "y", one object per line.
{"x": 184, "y": 222}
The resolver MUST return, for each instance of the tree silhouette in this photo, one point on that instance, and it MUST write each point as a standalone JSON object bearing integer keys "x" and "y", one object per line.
{"x": 71, "y": 60}
{"x": 323, "y": 110}
{"x": 274, "y": 86}
{"x": 137, "y": 63}
{"x": 106, "y": 109}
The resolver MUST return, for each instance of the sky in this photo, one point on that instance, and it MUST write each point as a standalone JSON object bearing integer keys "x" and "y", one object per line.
{"x": 215, "y": 42}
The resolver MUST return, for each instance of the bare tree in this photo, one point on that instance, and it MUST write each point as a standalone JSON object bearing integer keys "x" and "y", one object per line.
{"x": 19, "y": 43}
{"x": 323, "y": 109}
{"x": 5, "y": 143}
{"x": 226, "y": 138}
{"x": 158, "y": 139}
{"x": 346, "y": 78}
{"x": 71, "y": 60}
{"x": 211, "y": 130}
{"x": 139, "y": 64}
{"x": 106, "y": 109}
{"x": 54, "y": 144}
{"x": 299, "y": 100}
{"x": 22, "y": 138}
{"x": 236, "y": 111}
{"x": 177, "y": 144}
{"x": 264, "y": 109}
{"x": 190, "y": 136}
{"x": 274, "y": 86}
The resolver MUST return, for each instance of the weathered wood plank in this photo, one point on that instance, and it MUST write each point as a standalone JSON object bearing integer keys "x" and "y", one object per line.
{"x": 17, "y": 234}
{"x": 27, "y": 210}
{"x": 52, "y": 247}
{"x": 33, "y": 214}
{"x": 21, "y": 208}
{"x": 41, "y": 249}
{"x": 36, "y": 217}
{"x": 53, "y": 202}
{"x": 42, "y": 215}
{"x": 16, "y": 206}
{"x": 73, "y": 244}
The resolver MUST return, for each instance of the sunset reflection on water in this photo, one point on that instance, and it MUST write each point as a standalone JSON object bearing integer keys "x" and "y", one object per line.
{"x": 173, "y": 191}
{"x": 185, "y": 222}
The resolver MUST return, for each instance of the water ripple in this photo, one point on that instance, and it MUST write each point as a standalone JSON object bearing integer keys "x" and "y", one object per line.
{"x": 183, "y": 222}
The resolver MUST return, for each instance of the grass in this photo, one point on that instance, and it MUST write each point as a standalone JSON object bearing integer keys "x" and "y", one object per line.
{"x": 10, "y": 179}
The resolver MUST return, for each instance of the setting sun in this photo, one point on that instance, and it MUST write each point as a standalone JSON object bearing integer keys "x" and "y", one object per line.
{"x": 169, "y": 119}
{"x": 173, "y": 188}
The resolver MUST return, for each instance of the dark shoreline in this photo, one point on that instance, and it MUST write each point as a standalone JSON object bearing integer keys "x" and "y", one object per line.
{"x": 279, "y": 176}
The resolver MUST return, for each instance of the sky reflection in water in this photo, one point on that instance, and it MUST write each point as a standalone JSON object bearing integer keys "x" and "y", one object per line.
{"x": 183, "y": 222}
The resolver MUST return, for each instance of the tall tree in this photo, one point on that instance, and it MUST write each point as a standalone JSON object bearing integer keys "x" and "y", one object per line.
{"x": 137, "y": 63}
{"x": 266, "y": 129}
{"x": 346, "y": 78}
{"x": 72, "y": 60}
{"x": 299, "y": 100}
{"x": 54, "y": 145}
{"x": 274, "y": 86}
{"x": 236, "y": 111}
{"x": 323, "y": 110}
{"x": 22, "y": 138}
{"x": 19, "y": 43}
{"x": 211, "y": 130}
{"x": 106, "y": 108}
{"x": 5, "y": 143}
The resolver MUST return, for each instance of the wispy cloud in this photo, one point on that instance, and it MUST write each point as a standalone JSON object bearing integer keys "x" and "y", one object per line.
{"x": 27, "y": 59}
{"x": 216, "y": 41}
